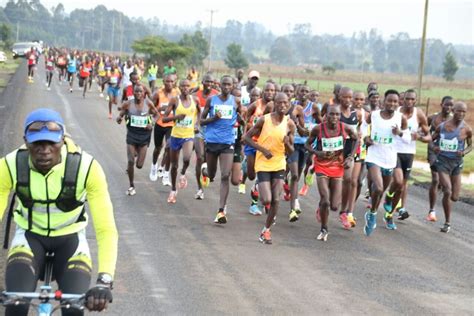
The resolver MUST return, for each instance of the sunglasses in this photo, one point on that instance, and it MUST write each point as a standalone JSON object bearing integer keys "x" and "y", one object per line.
{"x": 38, "y": 126}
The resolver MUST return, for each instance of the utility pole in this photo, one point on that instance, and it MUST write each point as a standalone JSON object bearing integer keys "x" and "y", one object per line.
{"x": 101, "y": 21}
{"x": 113, "y": 33}
{"x": 121, "y": 33}
{"x": 210, "y": 41}
{"x": 17, "y": 30}
{"x": 422, "y": 52}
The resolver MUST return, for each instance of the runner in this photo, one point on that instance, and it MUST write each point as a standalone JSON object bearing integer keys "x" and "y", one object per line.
{"x": 128, "y": 68}
{"x": 152, "y": 74}
{"x": 333, "y": 100}
{"x": 382, "y": 155}
{"x": 162, "y": 130}
{"x": 101, "y": 76}
{"x": 61, "y": 63}
{"x": 31, "y": 57}
{"x": 170, "y": 69}
{"x": 452, "y": 140}
{"x": 434, "y": 121}
{"x": 71, "y": 70}
{"x": 193, "y": 76}
{"x": 183, "y": 110}
{"x": 114, "y": 77}
{"x": 202, "y": 94}
{"x": 274, "y": 133}
{"x": 419, "y": 130}
{"x": 139, "y": 128}
{"x": 49, "y": 63}
{"x": 239, "y": 74}
{"x": 128, "y": 92}
{"x": 352, "y": 118}
{"x": 84, "y": 74}
{"x": 253, "y": 113}
{"x": 330, "y": 161}
{"x": 252, "y": 82}
{"x": 220, "y": 115}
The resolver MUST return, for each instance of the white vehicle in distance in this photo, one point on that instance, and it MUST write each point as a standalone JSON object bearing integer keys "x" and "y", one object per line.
{"x": 20, "y": 49}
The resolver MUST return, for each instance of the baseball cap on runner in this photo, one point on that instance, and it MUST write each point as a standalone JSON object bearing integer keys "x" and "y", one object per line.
{"x": 254, "y": 73}
{"x": 44, "y": 125}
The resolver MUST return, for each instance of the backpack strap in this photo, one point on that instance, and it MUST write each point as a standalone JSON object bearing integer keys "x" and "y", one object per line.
{"x": 23, "y": 183}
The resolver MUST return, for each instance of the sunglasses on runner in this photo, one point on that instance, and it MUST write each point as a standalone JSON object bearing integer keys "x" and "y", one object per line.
{"x": 38, "y": 126}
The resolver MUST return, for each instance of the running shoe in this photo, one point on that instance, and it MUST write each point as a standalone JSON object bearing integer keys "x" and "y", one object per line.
{"x": 101, "y": 95}
{"x": 293, "y": 216}
{"x": 446, "y": 228}
{"x": 242, "y": 188}
{"x": 431, "y": 216}
{"x": 367, "y": 194}
{"x": 255, "y": 210}
{"x": 388, "y": 219}
{"x": 266, "y": 237}
{"x": 199, "y": 195}
{"x": 351, "y": 219}
{"x": 402, "y": 214}
{"x": 304, "y": 190}
{"x": 344, "y": 220}
{"x": 204, "y": 181}
{"x": 297, "y": 207}
{"x": 323, "y": 234}
{"x": 309, "y": 179}
{"x": 49, "y": 89}
{"x": 172, "y": 197}
{"x": 370, "y": 222}
{"x": 70, "y": 90}
{"x": 220, "y": 218}
{"x": 287, "y": 193}
{"x": 131, "y": 191}
{"x": 153, "y": 173}
{"x": 318, "y": 215}
{"x": 166, "y": 179}
{"x": 183, "y": 181}
{"x": 160, "y": 172}
{"x": 107, "y": 98}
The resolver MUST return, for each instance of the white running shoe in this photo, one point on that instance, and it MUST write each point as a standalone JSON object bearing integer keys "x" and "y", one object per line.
{"x": 153, "y": 173}
{"x": 199, "y": 195}
{"x": 166, "y": 179}
{"x": 101, "y": 95}
{"x": 160, "y": 172}
{"x": 131, "y": 191}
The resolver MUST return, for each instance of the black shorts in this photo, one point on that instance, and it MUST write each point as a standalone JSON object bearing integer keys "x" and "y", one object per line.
{"x": 451, "y": 166}
{"x": 405, "y": 162}
{"x": 348, "y": 147}
{"x": 138, "y": 139}
{"x": 217, "y": 149}
{"x": 300, "y": 154}
{"x": 161, "y": 132}
{"x": 237, "y": 152}
{"x": 268, "y": 176}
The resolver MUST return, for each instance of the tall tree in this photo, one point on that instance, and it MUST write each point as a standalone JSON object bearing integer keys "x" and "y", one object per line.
{"x": 157, "y": 48}
{"x": 235, "y": 57}
{"x": 199, "y": 46}
{"x": 281, "y": 51}
{"x": 450, "y": 67}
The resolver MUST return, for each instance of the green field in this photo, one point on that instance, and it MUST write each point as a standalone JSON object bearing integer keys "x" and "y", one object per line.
{"x": 7, "y": 69}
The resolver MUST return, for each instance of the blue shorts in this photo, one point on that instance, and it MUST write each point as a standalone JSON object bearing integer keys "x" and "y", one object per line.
{"x": 113, "y": 91}
{"x": 249, "y": 150}
{"x": 385, "y": 172}
{"x": 177, "y": 143}
{"x": 151, "y": 78}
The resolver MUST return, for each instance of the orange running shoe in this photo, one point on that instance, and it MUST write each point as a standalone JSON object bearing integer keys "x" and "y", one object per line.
{"x": 304, "y": 190}
{"x": 266, "y": 237}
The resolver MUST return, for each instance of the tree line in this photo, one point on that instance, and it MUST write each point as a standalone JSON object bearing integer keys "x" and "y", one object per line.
{"x": 111, "y": 30}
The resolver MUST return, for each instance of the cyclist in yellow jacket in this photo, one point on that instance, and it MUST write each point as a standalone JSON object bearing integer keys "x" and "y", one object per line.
{"x": 52, "y": 178}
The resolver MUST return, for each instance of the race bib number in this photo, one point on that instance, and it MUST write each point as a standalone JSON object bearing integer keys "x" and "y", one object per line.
{"x": 332, "y": 143}
{"x": 131, "y": 97}
{"x": 383, "y": 139}
{"x": 163, "y": 104}
{"x": 187, "y": 122}
{"x": 49, "y": 63}
{"x": 139, "y": 121}
{"x": 113, "y": 80}
{"x": 449, "y": 145}
{"x": 226, "y": 111}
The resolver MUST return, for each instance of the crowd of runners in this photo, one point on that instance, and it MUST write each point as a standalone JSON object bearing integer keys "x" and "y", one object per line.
{"x": 276, "y": 140}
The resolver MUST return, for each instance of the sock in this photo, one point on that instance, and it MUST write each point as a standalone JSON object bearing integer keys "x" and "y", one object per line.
{"x": 267, "y": 207}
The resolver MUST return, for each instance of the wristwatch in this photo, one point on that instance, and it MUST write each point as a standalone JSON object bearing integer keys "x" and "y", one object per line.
{"x": 105, "y": 278}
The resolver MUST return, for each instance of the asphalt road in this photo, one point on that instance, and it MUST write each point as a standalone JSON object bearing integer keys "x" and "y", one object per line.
{"x": 174, "y": 260}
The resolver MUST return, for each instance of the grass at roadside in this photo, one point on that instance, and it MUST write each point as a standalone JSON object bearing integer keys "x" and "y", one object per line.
{"x": 7, "y": 69}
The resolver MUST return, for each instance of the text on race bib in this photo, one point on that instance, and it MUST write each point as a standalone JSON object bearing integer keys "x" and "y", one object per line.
{"x": 113, "y": 80}
{"x": 139, "y": 121}
{"x": 383, "y": 139}
{"x": 332, "y": 143}
{"x": 449, "y": 145}
{"x": 131, "y": 97}
{"x": 226, "y": 110}
{"x": 187, "y": 122}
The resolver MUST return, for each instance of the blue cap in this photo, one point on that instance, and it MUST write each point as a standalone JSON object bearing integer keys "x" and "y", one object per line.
{"x": 44, "y": 115}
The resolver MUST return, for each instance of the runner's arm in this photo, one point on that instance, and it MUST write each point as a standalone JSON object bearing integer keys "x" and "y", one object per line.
{"x": 204, "y": 120}
{"x": 171, "y": 107}
{"x": 289, "y": 139}
{"x": 102, "y": 213}
{"x": 468, "y": 141}
{"x": 255, "y": 131}
{"x": 353, "y": 136}
{"x": 313, "y": 135}
{"x": 423, "y": 123}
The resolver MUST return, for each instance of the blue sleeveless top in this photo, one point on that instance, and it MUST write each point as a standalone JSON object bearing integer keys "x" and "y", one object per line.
{"x": 309, "y": 123}
{"x": 222, "y": 130}
{"x": 449, "y": 142}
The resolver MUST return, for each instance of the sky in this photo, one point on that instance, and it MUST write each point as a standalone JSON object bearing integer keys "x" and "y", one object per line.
{"x": 448, "y": 20}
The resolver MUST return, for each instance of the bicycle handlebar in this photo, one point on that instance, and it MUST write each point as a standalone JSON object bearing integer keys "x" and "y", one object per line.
{"x": 16, "y": 298}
